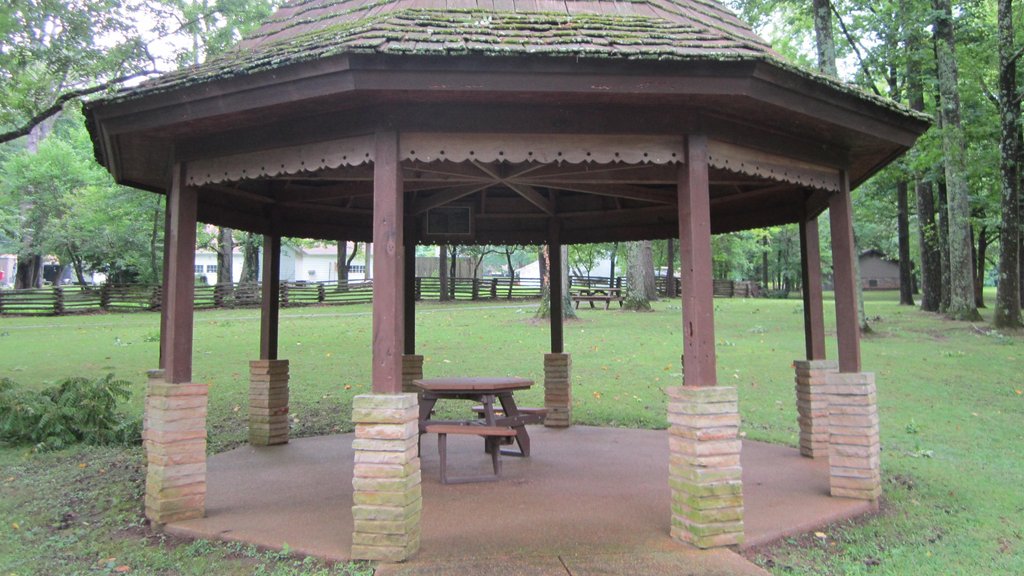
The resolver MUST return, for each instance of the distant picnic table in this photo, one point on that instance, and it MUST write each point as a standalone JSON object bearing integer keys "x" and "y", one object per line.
{"x": 593, "y": 294}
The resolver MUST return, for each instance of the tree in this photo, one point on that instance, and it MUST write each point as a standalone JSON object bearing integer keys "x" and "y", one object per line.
{"x": 55, "y": 53}
{"x": 961, "y": 280}
{"x": 640, "y": 277}
{"x": 57, "y": 201}
{"x": 251, "y": 244}
{"x": 1007, "y": 312}
{"x": 225, "y": 256}
{"x": 544, "y": 310}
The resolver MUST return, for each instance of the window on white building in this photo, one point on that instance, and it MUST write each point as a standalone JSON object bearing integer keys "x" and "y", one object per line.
{"x": 211, "y": 267}
{"x": 199, "y": 268}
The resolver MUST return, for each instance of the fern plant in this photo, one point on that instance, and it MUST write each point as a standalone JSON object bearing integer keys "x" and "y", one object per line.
{"x": 75, "y": 410}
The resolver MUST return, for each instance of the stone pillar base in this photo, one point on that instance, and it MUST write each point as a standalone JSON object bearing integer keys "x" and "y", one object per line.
{"x": 812, "y": 405}
{"x": 854, "y": 457}
{"x": 704, "y": 466}
{"x": 412, "y": 369}
{"x": 558, "y": 390}
{"x": 387, "y": 496}
{"x": 268, "y": 402}
{"x": 174, "y": 438}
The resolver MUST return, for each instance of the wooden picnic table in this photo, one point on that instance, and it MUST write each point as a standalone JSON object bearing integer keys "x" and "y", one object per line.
{"x": 482, "y": 390}
{"x": 597, "y": 294}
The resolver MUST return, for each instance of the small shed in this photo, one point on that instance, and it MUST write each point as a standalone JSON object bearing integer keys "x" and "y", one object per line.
{"x": 878, "y": 272}
{"x": 497, "y": 122}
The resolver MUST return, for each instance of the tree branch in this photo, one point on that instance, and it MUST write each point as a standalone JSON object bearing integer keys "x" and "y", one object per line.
{"x": 856, "y": 51}
{"x": 63, "y": 99}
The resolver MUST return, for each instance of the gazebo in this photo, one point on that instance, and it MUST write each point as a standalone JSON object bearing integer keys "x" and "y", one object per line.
{"x": 438, "y": 121}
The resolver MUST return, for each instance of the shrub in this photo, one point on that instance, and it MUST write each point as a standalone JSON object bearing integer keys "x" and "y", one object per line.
{"x": 75, "y": 410}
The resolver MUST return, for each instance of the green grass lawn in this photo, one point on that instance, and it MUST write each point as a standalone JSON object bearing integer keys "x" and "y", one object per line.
{"x": 950, "y": 396}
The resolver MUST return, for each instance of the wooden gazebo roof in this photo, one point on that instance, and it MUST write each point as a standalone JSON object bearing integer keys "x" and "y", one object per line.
{"x": 519, "y": 111}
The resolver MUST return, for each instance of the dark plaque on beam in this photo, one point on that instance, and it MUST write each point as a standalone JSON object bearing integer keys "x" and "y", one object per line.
{"x": 450, "y": 221}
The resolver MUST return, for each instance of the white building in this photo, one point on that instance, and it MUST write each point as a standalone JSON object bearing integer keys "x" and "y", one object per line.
{"x": 298, "y": 264}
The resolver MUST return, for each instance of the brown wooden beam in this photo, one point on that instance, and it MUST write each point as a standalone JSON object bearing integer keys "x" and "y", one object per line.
{"x": 695, "y": 255}
{"x": 388, "y": 267}
{"x": 843, "y": 253}
{"x": 180, "y": 281}
{"x": 555, "y": 295}
{"x": 810, "y": 268}
{"x": 409, "y": 281}
{"x": 271, "y": 305}
{"x": 165, "y": 276}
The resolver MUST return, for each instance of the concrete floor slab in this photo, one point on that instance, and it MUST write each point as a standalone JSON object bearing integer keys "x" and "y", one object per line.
{"x": 588, "y": 500}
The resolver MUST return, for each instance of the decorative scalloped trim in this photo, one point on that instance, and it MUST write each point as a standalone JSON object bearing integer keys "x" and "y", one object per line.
{"x": 772, "y": 166}
{"x": 352, "y": 151}
{"x": 424, "y": 147}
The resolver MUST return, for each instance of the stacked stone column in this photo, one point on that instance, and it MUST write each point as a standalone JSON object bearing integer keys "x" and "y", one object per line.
{"x": 558, "y": 390}
{"x": 268, "y": 402}
{"x": 174, "y": 438}
{"x": 412, "y": 369}
{"x": 854, "y": 456}
{"x": 812, "y": 405}
{"x": 704, "y": 465}
{"x": 386, "y": 495}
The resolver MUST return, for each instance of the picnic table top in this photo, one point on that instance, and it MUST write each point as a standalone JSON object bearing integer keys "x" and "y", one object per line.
{"x": 473, "y": 384}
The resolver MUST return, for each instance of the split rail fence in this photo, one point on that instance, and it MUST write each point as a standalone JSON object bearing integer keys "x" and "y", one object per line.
{"x": 74, "y": 299}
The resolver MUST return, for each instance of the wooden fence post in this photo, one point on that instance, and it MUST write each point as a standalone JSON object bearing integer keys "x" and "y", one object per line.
{"x": 58, "y": 300}
{"x": 320, "y": 293}
{"x": 284, "y": 294}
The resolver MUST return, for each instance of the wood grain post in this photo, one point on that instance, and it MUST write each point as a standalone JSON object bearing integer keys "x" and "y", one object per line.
{"x": 555, "y": 288}
{"x": 810, "y": 268}
{"x": 271, "y": 305}
{"x": 695, "y": 256}
{"x": 388, "y": 267}
{"x": 840, "y": 211}
{"x": 180, "y": 280}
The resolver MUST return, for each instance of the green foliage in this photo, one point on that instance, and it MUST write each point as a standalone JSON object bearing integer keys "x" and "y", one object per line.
{"x": 75, "y": 410}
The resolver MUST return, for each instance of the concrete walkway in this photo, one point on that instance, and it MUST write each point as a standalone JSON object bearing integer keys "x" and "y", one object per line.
{"x": 588, "y": 501}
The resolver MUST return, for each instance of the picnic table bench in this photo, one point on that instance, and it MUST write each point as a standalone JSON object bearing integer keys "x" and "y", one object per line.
{"x": 593, "y": 294}
{"x": 499, "y": 424}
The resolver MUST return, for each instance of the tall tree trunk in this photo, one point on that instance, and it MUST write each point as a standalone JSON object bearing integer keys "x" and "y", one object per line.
{"x": 611, "y": 263}
{"x": 903, "y": 229}
{"x": 442, "y": 271}
{"x": 453, "y": 269}
{"x": 542, "y": 267}
{"x": 155, "y": 242}
{"x": 943, "y": 247}
{"x": 670, "y": 279}
{"x": 1007, "y": 312}
{"x": 225, "y": 256}
{"x": 928, "y": 238}
{"x": 341, "y": 263}
{"x": 251, "y": 243}
{"x": 961, "y": 287}
{"x": 29, "y": 273}
{"x": 544, "y": 311}
{"x": 30, "y": 261}
{"x": 511, "y": 272}
{"x": 639, "y": 276}
{"x": 824, "y": 39}
{"x": 979, "y": 267}
{"x": 764, "y": 263}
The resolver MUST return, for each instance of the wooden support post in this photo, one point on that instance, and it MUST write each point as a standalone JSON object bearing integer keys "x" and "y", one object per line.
{"x": 810, "y": 267}
{"x": 843, "y": 253}
{"x": 166, "y": 276}
{"x": 180, "y": 280}
{"x": 555, "y": 296}
{"x": 388, "y": 267}
{"x": 271, "y": 305}
{"x": 695, "y": 257}
{"x": 409, "y": 296}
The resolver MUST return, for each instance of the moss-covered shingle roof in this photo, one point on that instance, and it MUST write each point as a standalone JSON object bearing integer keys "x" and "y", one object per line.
{"x": 623, "y": 29}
